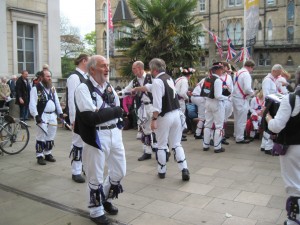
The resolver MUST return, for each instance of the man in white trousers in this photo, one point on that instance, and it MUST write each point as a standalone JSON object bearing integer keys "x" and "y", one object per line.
{"x": 242, "y": 91}
{"x": 269, "y": 87}
{"x": 97, "y": 121}
{"x": 76, "y": 77}
{"x": 167, "y": 121}
{"x": 214, "y": 107}
{"x": 143, "y": 104}
{"x": 44, "y": 106}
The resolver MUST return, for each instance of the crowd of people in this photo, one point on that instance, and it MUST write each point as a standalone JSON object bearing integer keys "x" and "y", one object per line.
{"x": 160, "y": 108}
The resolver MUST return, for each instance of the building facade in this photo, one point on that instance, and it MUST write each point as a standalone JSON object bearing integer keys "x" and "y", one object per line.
{"x": 29, "y": 36}
{"x": 277, "y": 39}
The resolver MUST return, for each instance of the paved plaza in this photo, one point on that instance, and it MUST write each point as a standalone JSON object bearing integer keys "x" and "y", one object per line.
{"x": 241, "y": 186}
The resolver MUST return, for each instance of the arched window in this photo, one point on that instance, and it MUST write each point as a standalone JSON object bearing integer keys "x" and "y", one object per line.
{"x": 234, "y": 29}
{"x": 104, "y": 12}
{"x": 290, "y": 33}
{"x": 104, "y": 42}
{"x": 291, "y": 10}
{"x": 290, "y": 61}
{"x": 260, "y": 32}
{"x": 270, "y": 30}
{"x": 261, "y": 60}
{"x": 202, "y": 5}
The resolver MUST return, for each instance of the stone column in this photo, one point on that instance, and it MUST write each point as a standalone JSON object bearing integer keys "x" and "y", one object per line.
{"x": 3, "y": 40}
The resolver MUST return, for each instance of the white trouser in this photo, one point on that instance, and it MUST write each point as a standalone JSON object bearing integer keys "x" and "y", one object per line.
{"x": 240, "y": 111}
{"x": 113, "y": 153}
{"x": 266, "y": 142}
{"x": 200, "y": 102}
{"x": 46, "y": 130}
{"x": 169, "y": 130}
{"x": 228, "y": 109}
{"x": 145, "y": 115}
{"x": 76, "y": 165}
{"x": 182, "y": 105}
{"x": 290, "y": 168}
{"x": 214, "y": 113}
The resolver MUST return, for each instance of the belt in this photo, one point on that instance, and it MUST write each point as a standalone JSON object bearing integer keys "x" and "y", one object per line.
{"x": 109, "y": 127}
{"x": 146, "y": 103}
{"x": 49, "y": 112}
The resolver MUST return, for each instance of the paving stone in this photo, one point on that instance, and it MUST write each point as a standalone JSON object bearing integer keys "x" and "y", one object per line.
{"x": 162, "y": 208}
{"x": 271, "y": 190}
{"x": 196, "y": 201}
{"x": 224, "y": 193}
{"x": 150, "y": 219}
{"x": 231, "y": 207}
{"x": 207, "y": 171}
{"x": 195, "y": 188}
{"x": 221, "y": 182}
{"x": 239, "y": 221}
{"x": 253, "y": 198}
{"x": 265, "y": 214}
{"x": 263, "y": 179}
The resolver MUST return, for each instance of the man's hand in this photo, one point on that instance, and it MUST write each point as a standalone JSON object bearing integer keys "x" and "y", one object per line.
{"x": 61, "y": 116}
{"x": 38, "y": 119}
{"x": 153, "y": 125}
{"x": 21, "y": 100}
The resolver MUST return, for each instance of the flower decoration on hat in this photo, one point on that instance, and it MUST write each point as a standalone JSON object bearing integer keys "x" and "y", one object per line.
{"x": 187, "y": 71}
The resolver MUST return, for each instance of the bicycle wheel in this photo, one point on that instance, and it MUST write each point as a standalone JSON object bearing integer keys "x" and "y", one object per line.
{"x": 14, "y": 138}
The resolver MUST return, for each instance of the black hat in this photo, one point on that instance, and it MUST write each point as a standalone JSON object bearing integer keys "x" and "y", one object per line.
{"x": 217, "y": 65}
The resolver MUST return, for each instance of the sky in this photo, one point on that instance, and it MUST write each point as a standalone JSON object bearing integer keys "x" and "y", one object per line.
{"x": 80, "y": 13}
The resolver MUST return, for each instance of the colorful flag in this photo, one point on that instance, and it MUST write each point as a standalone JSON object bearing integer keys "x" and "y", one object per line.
{"x": 231, "y": 53}
{"x": 241, "y": 54}
{"x": 251, "y": 21}
{"x": 217, "y": 41}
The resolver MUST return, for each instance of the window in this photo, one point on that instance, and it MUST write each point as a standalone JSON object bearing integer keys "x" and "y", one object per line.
{"x": 202, "y": 5}
{"x": 25, "y": 47}
{"x": 201, "y": 41}
{"x": 260, "y": 32}
{"x": 264, "y": 59}
{"x": 290, "y": 34}
{"x": 291, "y": 10}
{"x": 270, "y": 30}
{"x": 290, "y": 61}
{"x": 234, "y": 3}
{"x": 202, "y": 61}
{"x": 270, "y": 2}
{"x": 104, "y": 13}
{"x": 234, "y": 29}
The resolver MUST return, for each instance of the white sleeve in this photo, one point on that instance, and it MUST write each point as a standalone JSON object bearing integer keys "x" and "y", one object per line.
{"x": 57, "y": 104}
{"x": 128, "y": 87}
{"x": 158, "y": 91}
{"x": 83, "y": 99}
{"x": 252, "y": 106}
{"x": 72, "y": 83}
{"x": 33, "y": 102}
{"x": 247, "y": 84}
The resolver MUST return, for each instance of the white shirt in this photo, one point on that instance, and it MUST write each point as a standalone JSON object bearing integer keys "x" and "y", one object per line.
{"x": 268, "y": 85}
{"x": 72, "y": 82}
{"x": 229, "y": 83}
{"x": 85, "y": 103}
{"x": 280, "y": 87}
{"x": 50, "y": 106}
{"x": 283, "y": 114}
{"x": 129, "y": 87}
{"x": 182, "y": 87}
{"x": 198, "y": 88}
{"x": 254, "y": 105}
{"x": 244, "y": 81}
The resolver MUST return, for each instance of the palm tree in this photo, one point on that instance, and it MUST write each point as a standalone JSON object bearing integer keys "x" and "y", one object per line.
{"x": 167, "y": 29}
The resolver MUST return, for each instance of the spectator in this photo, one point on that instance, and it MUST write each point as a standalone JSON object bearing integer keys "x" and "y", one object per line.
{"x": 23, "y": 94}
{"x": 12, "y": 86}
{"x": 4, "y": 92}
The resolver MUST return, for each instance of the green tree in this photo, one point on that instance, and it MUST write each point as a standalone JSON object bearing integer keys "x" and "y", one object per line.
{"x": 167, "y": 29}
{"x": 90, "y": 41}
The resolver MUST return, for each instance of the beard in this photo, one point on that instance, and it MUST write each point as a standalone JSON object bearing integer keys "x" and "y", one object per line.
{"x": 47, "y": 84}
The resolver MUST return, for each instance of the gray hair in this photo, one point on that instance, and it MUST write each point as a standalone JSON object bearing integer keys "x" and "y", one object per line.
{"x": 157, "y": 64}
{"x": 277, "y": 67}
{"x": 139, "y": 64}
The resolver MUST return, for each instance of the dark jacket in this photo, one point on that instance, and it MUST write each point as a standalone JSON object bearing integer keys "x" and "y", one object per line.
{"x": 23, "y": 91}
{"x": 12, "y": 86}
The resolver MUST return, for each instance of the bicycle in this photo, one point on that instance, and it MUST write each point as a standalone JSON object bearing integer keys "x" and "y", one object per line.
{"x": 14, "y": 134}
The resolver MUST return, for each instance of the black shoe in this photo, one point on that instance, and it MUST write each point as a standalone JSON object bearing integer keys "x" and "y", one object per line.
{"x": 100, "y": 220}
{"x": 50, "y": 158}
{"x": 198, "y": 136}
{"x": 243, "y": 142}
{"x": 41, "y": 161}
{"x": 268, "y": 152}
{"x": 78, "y": 178}
{"x": 262, "y": 149}
{"x": 145, "y": 156}
{"x": 162, "y": 175}
{"x": 226, "y": 137}
{"x": 211, "y": 143}
{"x": 110, "y": 208}
{"x": 183, "y": 139}
{"x": 205, "y": 149}
{"x": 285, "y": 222}
{"x": 251, "y": 139}
{"x": 184, "y": 136}
{"x": 224, "y": 142}
{"x": 219, "y": 150}
{"x": 185, "y": 175}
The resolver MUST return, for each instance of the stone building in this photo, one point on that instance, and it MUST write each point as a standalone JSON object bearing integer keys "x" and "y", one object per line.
{"x": 29, "y": 36}
{"x": 278, "y": 37}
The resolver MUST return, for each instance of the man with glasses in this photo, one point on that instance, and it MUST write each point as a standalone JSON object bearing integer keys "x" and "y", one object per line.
{"x": 242, "y": 91}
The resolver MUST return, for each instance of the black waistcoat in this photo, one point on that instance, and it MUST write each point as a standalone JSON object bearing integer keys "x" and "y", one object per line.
{"x": 208, "y": 89}
{"x": 138, "y": 97}
{"x": 43, "y": 98}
